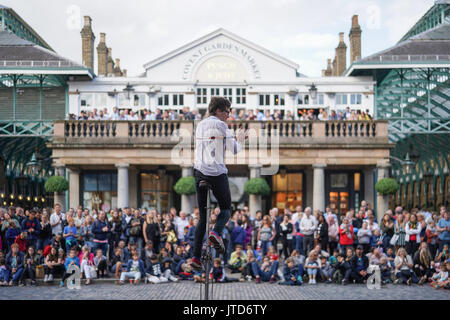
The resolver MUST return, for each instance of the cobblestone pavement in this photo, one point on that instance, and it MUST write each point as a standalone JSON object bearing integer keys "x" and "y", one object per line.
{"x": 187, "y": 290}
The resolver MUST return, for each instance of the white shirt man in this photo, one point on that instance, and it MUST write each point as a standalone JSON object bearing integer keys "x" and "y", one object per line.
{"x": 212, "y": 139}
{"x": 181, "y": 222}
{"x": 308, "y": 224}
{"x": 56, "y": 219}
{"x": 115, "y": 115}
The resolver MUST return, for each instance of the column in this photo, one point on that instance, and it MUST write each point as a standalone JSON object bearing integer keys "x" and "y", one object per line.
{"x": 255, "y": 201}
{"x": 123, "y": 196}
{"x": 60, "y": 197}
{"x": 369, "y": 186}
{"x": 382, "y": 201}
{"x": 307, "y": 202}
{"x": 74, "y": 187}
{"x": 319, "y": 186}
{"x": 133, "y": 183}
{"x": 187, "y": 200}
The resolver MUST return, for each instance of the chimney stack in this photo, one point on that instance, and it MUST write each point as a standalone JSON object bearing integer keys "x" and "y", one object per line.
{"x": 329, "y": 70}
{"x": 87, "y": 43}
{"x": 333, "y": 70}
{"x": 102, "y": 53}
{"x": 341, "y": 55}
{"x": 355, "y": 40}
{"x": 110, "y": 64}
{"x": 124, "y": 72}
{"x": 117, "y": 71}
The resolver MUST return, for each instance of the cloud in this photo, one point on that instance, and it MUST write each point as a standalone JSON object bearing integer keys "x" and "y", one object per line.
{"x": 310, "y": 40}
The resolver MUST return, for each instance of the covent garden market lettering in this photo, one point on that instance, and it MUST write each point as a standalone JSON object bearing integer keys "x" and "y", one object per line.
{"x": 221, "y": 46}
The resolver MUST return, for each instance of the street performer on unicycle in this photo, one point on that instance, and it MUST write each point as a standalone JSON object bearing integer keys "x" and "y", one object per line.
{"x": 212, "y": 138}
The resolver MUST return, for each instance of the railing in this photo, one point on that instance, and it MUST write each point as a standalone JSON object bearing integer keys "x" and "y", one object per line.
{"x": 26, "y": 128}
{"x": 31, "y": 63}
{"x": 410, "y": 57}
{"x": 168, "y": 132}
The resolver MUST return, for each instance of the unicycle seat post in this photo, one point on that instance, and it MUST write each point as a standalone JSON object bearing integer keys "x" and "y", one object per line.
{"x": 207, "y": 256}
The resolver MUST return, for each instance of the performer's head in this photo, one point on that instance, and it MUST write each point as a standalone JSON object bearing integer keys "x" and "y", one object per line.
{"x": 219, "y": 107}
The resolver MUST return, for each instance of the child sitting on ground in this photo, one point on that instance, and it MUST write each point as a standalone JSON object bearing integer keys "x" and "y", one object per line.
{"x": 312, "y": 265}
{"x": 154, "y": 272}
{"x": 4, "y": 274}
{"x": 166, "y": 268}
{"x": 292, "y": 276}
{"x": 135, "y": 269}
{"x": 440, "y": 280}
{"x": 326, "y": 271}
{"x": 385, "y": 270}
{"x": 218, "y": 273}
{"x": 100, "y": 264}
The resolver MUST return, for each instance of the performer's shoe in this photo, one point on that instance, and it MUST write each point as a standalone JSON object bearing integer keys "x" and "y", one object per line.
{"x": 217, "y": 242}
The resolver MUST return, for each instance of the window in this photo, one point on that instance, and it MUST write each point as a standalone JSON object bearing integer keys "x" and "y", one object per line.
{"x": 163, "y": 100}
{"x": 215, "y": 92}
{"x": 355, "y": 98}
{"x": 318, "y": 100}
{"x": 228, "y": 93}
{"x": 264, "y": 99}
{"x": 201, "y": 95}
{"x": 99, "y": 190}
{"x": 241, "y": 96}
{"x": 178, "y": 99}
{"x": 341, "y": 98}
{"x": 302, "y": 98}
{"x": 278, "y": 99}
{"x": 123, "y": 100}
{"x": 139, "y": 99}
{"x": 86, "y": 100}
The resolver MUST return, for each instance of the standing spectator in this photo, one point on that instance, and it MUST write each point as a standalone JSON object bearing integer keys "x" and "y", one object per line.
{"x": 32, "y": 226}
{"x": 116, "y": 231}
{"x": 364, "y": 236}
{"x": 399, "y": 229}
{"x": 333, "y": 233}
{"x": 265, "y": 235}
{"x": 387, "y": 230}
{"x": 247, "y": 226}
{"x": 70, "y": 234}
{"x": 45, "y": 236}
{"x": 308, "y": 225}
{"x": 432, "y": 237}
{"x": 151, "y": 230}
{"x": 56, "y": 220}
{"x": 86, "y": 232}
{"x": 346, "y": 235}
{"x": 322, "y": 232}
{"x": 443, "y": 228}
{"x": 100, "y": 229}
{"x": 286, "y": 230}
{"x": 136, "y": 236}
{"x": 238, "y": 235}
{"x": 412, "y": 229}
{"x": 180, "y": 223}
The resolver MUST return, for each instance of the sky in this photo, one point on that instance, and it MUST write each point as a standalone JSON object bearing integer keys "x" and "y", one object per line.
{"x": 139, "y": 31}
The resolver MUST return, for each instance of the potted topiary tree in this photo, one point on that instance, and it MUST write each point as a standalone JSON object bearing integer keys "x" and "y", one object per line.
{"x": 185, "y": 186}
{"x": 255, "y": 188}
{"x": 58, "y": 185}
{"x": 386, "y": 187}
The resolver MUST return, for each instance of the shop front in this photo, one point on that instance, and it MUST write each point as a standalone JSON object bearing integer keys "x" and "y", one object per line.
{"x": 287, "y": 190}
{"x": 344, "y": 190}
{"x": 99, "y": 190}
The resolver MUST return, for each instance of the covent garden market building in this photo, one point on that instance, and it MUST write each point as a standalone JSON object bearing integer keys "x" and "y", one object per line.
{"x": 118, "y": 163}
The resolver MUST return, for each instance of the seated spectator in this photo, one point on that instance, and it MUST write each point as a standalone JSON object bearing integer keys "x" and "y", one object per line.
{"x": 217, "y": 273}
{"x": 100, "y": 264}
{"x": 390, "y": 257}
{"x": 117, "y": 262}
{"x": 312, "y": 265}
{"x": 237, "y": 260}
{"x": 147, "y": 252}
{"x": 247, "y": 272}
{"x": 167, "y": 269}
{"x": 292, "y": 275}
{"x": 359, "y": 264}
{"x": 404, "y": 268}
{"x": 385, "y": 270}
{"x": 4, "y": 273}
{"x": 272, "y": 254}
{"x": 423, "y": 263}
{"x": 72, "y": 259}
{"x": 326, "y": 271}
{"x": 135, "y": 269}
{"x": 185, "y": 270}
{"x": 154, "y": 271}
{"x": 14, "y": 262}
{"x": 31, "y": 260}
{"x": 440, "y": 280}
{"x": 52, "y": 265}
{"x": 267, "y": 271}
{"x": 87, "y": 263}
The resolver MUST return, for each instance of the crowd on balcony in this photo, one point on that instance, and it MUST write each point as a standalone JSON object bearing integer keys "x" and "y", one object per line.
{"x": 291, "y": 248}
{"x": 187, "y": 114}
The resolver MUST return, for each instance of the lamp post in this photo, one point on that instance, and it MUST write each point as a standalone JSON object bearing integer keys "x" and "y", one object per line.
{"x": 128, "y": 89}
{"x": 428, "y": 178}
{"x": 407, "y": 165}
{"x": 313, "y": 91}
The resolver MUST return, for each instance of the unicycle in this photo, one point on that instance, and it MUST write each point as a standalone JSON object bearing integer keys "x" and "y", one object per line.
{"x": 206, "y": 257}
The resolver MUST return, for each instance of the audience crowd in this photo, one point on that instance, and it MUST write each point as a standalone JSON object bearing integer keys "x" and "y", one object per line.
{"x": 257, "y": 114}
{"x": 291, "y": 248}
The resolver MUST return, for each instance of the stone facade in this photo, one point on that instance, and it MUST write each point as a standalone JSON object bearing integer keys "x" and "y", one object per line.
{"x": 355, "y": 40}
{"x": 341, "y": 55}
{"x": 102, "y": 53}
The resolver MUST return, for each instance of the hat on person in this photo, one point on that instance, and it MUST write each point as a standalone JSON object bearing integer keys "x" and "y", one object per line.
{"x": 360, "y": 247}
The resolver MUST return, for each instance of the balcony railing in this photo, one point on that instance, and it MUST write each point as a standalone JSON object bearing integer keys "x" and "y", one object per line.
{"x": 169, "y": 132}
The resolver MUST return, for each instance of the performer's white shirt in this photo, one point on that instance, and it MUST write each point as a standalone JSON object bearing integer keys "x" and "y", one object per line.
{"x": 209, "y": 156}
